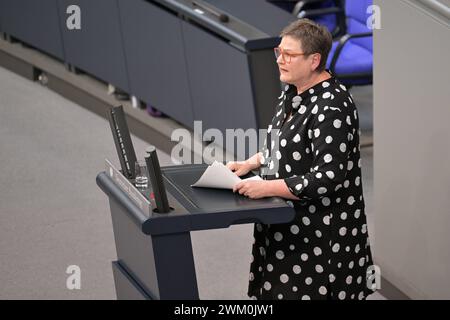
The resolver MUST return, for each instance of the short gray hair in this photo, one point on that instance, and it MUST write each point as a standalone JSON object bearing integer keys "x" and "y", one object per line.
{"x": 314, "y": 38}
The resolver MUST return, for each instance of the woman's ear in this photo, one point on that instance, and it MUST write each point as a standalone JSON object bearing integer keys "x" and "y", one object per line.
{"x": 316, "y": 57}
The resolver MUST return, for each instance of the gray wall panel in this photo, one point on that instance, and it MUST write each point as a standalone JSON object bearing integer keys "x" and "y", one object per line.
{"x": 33, "y": 22}
{"x": 411, "y": 149}
{"x": 155, "y": 58}
{"x": 220, "y": 81}
{"x": 2, "y": 12}
{"x": 97, "y": 48}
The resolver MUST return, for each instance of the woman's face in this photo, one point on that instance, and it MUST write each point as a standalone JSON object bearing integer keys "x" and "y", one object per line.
{"x": 300, "y": 66}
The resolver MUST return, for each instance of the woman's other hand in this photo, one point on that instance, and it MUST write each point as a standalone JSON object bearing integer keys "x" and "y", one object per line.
{"x": 253, "y": 189}
{"x": 241, "y": 168}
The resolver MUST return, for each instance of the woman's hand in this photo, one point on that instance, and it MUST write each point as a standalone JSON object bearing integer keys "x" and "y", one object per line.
{"x": 241, "y": 168}
{"x": 254, "y": 189}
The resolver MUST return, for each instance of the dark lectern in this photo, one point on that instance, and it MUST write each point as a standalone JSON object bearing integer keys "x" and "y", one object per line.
{"x": 154, "y": 250}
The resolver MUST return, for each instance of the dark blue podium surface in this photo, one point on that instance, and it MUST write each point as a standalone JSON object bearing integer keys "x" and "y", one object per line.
{"x": 154, "y": 250}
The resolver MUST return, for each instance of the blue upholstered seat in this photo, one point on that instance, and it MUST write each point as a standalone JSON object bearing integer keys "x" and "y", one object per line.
{"x": 351, "y": 57}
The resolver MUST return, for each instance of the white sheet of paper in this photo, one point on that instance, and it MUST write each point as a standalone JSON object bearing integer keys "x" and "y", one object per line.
{"x": 217, "y": 175}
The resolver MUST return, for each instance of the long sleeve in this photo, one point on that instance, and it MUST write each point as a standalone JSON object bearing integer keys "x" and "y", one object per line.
{"x": 331, "y": 135}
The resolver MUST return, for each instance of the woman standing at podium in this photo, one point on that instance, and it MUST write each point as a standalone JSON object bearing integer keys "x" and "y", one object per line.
{"x": 324, "y": 253}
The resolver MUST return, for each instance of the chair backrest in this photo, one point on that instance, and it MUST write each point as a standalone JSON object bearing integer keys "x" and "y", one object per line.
{"x": 357, "y": 16}
{"x": 328, "y": 20}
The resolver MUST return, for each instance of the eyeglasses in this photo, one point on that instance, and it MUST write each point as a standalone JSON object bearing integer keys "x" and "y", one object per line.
{"x": 286, "y": 56}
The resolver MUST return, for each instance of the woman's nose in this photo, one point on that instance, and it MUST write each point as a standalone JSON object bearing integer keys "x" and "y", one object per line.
{"x": 280, "y": 60}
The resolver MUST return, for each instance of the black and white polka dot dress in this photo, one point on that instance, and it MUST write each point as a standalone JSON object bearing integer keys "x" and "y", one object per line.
{"x": 324, "y": 253}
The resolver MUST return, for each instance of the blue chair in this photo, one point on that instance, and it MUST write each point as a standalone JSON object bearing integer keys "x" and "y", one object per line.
{"x": 324, "y": 12}
{"x": 351, "y": 57}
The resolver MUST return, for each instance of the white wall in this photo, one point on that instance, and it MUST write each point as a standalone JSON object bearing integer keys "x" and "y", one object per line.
{"x": 412, "y": 149}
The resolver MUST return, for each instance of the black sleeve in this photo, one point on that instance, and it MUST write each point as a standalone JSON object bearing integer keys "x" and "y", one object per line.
{"x": 330, "y": 138}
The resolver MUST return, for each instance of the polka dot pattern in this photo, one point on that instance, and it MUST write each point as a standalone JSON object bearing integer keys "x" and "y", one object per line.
{"x": 324, "y": 252}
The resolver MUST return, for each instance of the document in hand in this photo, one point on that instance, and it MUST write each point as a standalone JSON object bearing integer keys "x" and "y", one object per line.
{"x": 217, "y": 175}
